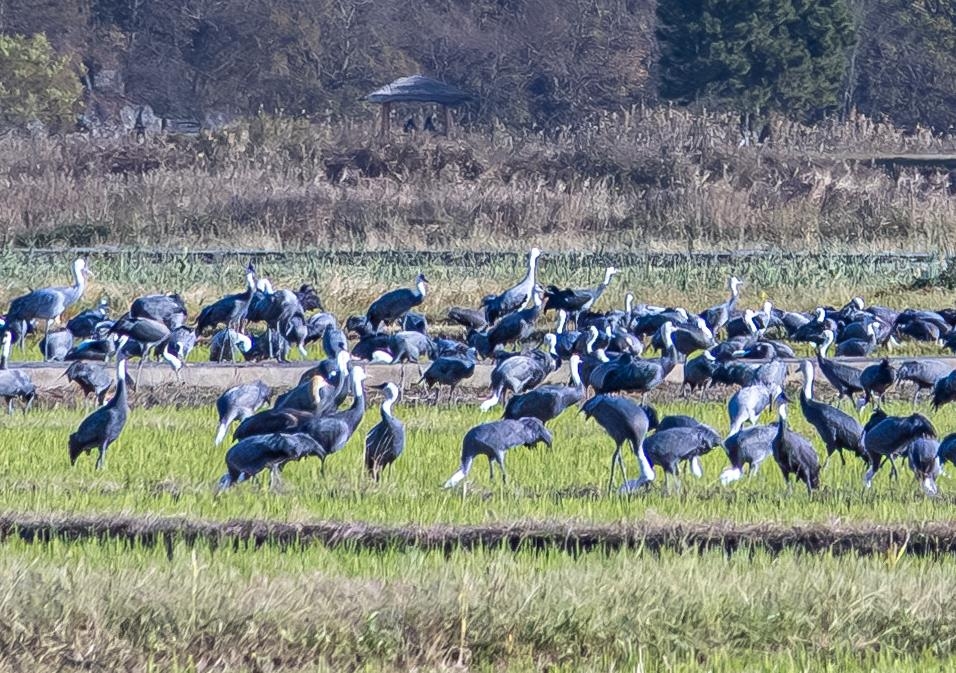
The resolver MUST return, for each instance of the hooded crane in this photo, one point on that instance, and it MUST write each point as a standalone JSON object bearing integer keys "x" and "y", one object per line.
{"x": 717, "y": 316}
{"x": 889, "y": 437}
{"x": 102, "y": 427}
{"x": 750, "y": 446}
{"x": 48, "y": 303}
{"x": 923, "y": 374}
{"x": 168, "y": 309}
{"x": 493, "y": 440}
{"x": 876, "y": 380}
{"x": 14, "y": 383}
{"x": 312, "y": 395}
{"x": 748, "y": 403}
{"x": 385, "y": 442}
{"x": 844, "y": 378}
{"x": 95, "y": 379}
{"x": 625, "y": 421}
{"x": 944, "y": 390}
{"x": 252, "y": 455}
{"x": 515, "y": 296}
{"x": 450, "y": 370}
{"x": 577, "y": 301}
{"x": 794, "y": 453}
{"x": 517, "y": 374}
{"x": 230, "y": 310}
{"x": 837, "y": 429}
{"x": 548, "y": 402}
{"x": 239, "y": 403}
{"x": 393, "y": 305}
{"x": 922, "y": 457}
{"x": 671, "y": 446}
{"x": 628, "y": 373}
{"x": 516, "y": 327}
{"x": 83, "y": 324}
{"x": 150, "y": 334}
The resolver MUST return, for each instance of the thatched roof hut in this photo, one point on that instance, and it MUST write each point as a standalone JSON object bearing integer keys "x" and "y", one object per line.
{"x": 417, "y": 89}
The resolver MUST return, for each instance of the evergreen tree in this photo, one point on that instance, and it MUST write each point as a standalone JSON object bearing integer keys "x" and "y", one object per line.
{"x": 755, "y": 55}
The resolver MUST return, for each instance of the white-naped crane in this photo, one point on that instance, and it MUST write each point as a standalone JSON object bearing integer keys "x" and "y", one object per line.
{"x": 49, "y": 303}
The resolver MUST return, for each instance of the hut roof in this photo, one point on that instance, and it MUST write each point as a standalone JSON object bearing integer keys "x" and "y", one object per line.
{"x": 419, "y": 89}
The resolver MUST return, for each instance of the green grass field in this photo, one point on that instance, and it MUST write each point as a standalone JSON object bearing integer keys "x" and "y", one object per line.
{"x": 165, "y": 463}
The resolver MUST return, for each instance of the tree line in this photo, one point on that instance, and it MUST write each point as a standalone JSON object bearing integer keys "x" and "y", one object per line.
{"x": 537, "y": 64}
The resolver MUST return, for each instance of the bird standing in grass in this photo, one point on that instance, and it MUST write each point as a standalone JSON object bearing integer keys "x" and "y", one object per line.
{"x": 239, "y": 403}
{"x": 393, "y": 305}
{"x": 493, "y": 440}
{"x": 385, "y": 442}
{"x": 794, "y": 454}
{"x": 625, "y": 421}
{"x": 103, "y": 427}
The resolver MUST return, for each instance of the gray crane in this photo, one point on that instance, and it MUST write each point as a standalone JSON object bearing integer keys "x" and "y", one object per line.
{"x": 230, "y": 310}
{"x": 516, "y": 296}
{"x": 888, "y": 438}
{"x": 876, "y": 380}
{"x": 838, "y": 430}
{"x": 83, "y": 324}
{"x": 717, "y": 316}
{"x": 923, "y": 374}
{"x": 92, "y": 379}
{"x": 226, "y": 343}
{"x": 748, "y": 403}
{"x": 385, "y": 442}
{"x": 49, "y": 303}
{"x": 793, "y": 452}
{"x": 450, "y": 370}
{"x": 393, "y": 305}
{"x": 493, "y": 440}
{"x": 673, "y": 445}
{"x": 14, "y": 383}
{"x": 103, "y": 427}
{"x": 548, "y": 402}
{"x": 517, "y": 374}
{"x": 239, "y": 403}
{"x": 922, "y": 457}
{"x": 625, "y": 421}
{"x": 252, "y": 455}
{"x": 149, "y": 334}
{"x": 750, "y": 447}
{"x": 55, "y": 345}
{"x": 169, "y": 309}
{"x": 944, "y": 390}
{"x": 844, "y": 378}
{"x": 577, "y": 301}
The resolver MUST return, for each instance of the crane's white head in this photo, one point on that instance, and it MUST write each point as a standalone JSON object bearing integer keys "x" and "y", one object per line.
{"x": 552, "y": 342}
{"x": 782, "y": 407}
{"x": 80, "y": 269}
{"x": 562, "y": 321}
{"x": 264, "y": 285}
{"x": 768, "y": 308}
{"x": 828, "y": 339}
{"x": 534, "y": 254}
{"x": 667, "y": 330}
{"x": 243, "y": 343}
{"x": 734, "y": 284}
{"x": 5, "y": 346}
{"x": 609, "y": 273}
{"x": 682, "y": 312}
{"x": 628, "y": 302}
{"x": 709, "y": 356}
{"x": 575, "y": 364}
{"x": 871, "y": 329}
{"x": 342, "y": 360}
{"x": 358, "y": 375}
{"x": 858, "y": 303}
{"x": 821, "y": 314}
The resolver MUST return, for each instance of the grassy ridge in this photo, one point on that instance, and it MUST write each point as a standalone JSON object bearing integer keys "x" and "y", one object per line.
{"x": 165, "y": 464}
{"x": 92, "y": 604}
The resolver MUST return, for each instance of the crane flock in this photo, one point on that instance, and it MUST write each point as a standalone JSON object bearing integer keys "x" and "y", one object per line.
{"x": 610, "y": 375}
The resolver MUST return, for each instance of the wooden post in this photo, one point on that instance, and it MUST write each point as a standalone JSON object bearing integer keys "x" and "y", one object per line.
{"x": 386, "y": 117}
{"x": 446, "y": 120}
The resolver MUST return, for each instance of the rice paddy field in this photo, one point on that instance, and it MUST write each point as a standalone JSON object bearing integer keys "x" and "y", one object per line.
{"x": 78, "y": 596}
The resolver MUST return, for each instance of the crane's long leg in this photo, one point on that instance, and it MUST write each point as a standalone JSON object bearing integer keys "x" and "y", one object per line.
{"x": 101, "y": 458}
{"x": 46, "y": 341}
